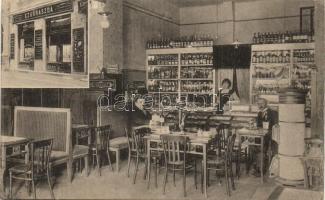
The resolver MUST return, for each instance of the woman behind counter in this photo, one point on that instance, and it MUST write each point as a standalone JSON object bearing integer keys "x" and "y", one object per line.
{"x": 226, "y": 94}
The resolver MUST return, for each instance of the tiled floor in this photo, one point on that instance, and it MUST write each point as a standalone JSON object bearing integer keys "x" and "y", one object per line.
{"x": 112, "y": 185}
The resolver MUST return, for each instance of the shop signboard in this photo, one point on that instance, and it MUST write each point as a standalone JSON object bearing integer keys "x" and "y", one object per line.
{"x": 44, "y": 11}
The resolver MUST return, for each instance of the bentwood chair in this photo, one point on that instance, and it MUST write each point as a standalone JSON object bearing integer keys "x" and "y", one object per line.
{"x": 139, "y": 149}
{"x": 223, "y": 162}
{"x": 100, "y": 146}
{"x": 38, "y": 165}
{"x": 175, "y": 155}
{"x": 82, "y": 145}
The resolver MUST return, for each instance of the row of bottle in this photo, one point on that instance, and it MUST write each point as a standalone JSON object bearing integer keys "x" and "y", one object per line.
{"x": 165, "y": 100}
{"x": 278, "y": 56}
{"x": 163, "y": 60}
{"x": 268, "y": 90}
{"x": 197, "y": 59}
{"x": 197, "y": 86}
{"x": 305, "y": 55}
{"x": 263, "y": 74}
{"x": 302, "y": 84}
{"x": 163, "y": 86}
{"x": 181, "y": 42}
{"x": 287, "y": 37}
{"x": 197, "y": 72}
{"x": 163, "y": 73}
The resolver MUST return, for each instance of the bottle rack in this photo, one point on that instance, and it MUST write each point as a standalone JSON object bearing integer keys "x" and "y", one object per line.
{"x": 276, "y": 66}
{"x": 180, "y": 72}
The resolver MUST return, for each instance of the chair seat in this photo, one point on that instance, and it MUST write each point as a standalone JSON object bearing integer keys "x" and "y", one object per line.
{"x": 119, "y": 142}
{"x": 58, "y": 155}
{"x": 215, "y": 160}
{"x": 80, "y": 150}
{"x": 20, "y": 169}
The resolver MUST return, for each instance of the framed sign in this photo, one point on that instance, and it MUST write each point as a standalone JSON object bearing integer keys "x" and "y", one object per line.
{"x": 44, "y": 11}
{"x": 307, "y": 19}
{"x": 38, "y": 44}
{"x": 12, "y": 46}
{"x": 102, "y": 84}
{"x": 78, "y": 50}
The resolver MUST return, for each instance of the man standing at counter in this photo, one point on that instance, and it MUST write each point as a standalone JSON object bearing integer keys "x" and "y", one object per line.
{"x": 266, "y": 119}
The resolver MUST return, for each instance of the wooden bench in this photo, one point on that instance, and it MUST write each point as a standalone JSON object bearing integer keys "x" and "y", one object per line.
{"x": 43, "y": 123}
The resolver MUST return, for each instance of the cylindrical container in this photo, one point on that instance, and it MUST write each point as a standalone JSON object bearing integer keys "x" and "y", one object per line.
{"x": 292, "y": 137}
{"x": 292, "y": 134}
{"x": 291, "y": 168}
{"x": 292, "y": 113}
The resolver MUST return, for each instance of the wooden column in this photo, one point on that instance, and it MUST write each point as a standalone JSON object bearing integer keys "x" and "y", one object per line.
{"x": 318, "y": 85}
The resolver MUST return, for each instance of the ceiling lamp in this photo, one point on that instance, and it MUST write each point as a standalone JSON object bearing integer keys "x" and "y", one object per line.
{"x": 105, "y": 21}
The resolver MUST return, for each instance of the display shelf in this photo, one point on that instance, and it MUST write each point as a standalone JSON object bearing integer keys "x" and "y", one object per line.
{"x": 268, "y": 78}
{"x": 195, "y": 72}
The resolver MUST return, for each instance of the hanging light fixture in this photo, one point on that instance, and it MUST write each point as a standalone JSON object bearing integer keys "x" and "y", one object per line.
{"x": 105, "y": 21}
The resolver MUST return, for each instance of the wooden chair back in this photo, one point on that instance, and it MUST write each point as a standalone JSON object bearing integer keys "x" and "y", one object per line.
{"x": 229, "y": 149}
{"x": 175, "y": 148}
{"x": 82, "y": 135}
{"x": 102, "y": 134}
{"x": 40, "y": 155}
{"x": 139, "y": 141}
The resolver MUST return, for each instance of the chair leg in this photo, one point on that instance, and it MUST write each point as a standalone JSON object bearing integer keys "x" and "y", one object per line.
{"x": 156, "y": 173}
{"x": 165, "y": 179}
{"x": 149, "y": 172}
{"x": 145, "y": 168}
{"x": 136, "y": 170}
{"x": 232, "y": 178}
{"x": 202, "y": 177}
{"x": 98, "y": 163}
{"x": 86, "y": 159}
{"x": 69, "y": 170}
{"x": 195, "y": 177}
{"x": 10, "y": 185}
{"x": 34, "y": 189}
{"x": 227, "y": 181}
{"x": 50, "y": 183}
{"x": 184, "y": 181}
{"x": 174, "y": 179}
{"x": 117, "y": 160}
{"x": 129, "y": 162}
{"x": 109, "y": 160}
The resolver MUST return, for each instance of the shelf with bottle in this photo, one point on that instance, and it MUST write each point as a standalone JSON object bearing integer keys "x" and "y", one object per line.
{"x": 162, "y": 85}
{"x": 304, "y": 56}
{"x": 271, "y": 72}
{"x": 192, "y": 73}
{"x": 196, "y": 59}
{"x": 195, "y": 86}
{"x": 202, "y": 40}
{"x": 285, "y": 37}
{"x": 163, "y": 60}
{"x": 272, "y": 56}
{"x": 155, "y": 72}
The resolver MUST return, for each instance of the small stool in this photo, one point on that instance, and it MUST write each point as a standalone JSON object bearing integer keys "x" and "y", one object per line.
{"x": 116, "y": 145}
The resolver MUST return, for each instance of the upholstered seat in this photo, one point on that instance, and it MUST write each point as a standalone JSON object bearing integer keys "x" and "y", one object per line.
{"x": 58, "y": 155}
{"x": 116, "y": 145}
{"x": 119, "y": 142}
{"x": 80, "y": 149}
